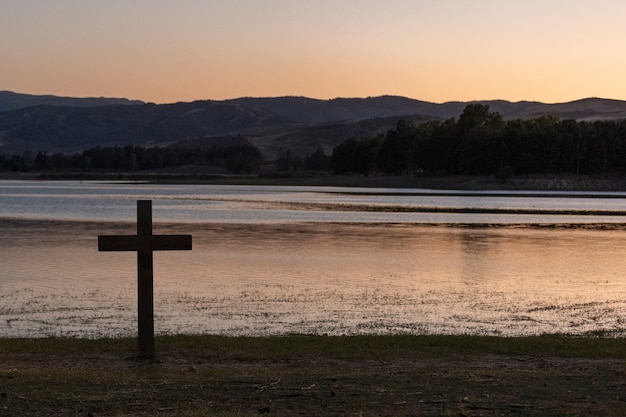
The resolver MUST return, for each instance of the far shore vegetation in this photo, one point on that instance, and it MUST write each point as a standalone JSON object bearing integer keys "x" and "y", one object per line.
{"x": 478, "y": 150}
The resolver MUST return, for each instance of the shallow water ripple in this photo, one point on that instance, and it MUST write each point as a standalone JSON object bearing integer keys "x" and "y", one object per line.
{"x": 319, "y": 278}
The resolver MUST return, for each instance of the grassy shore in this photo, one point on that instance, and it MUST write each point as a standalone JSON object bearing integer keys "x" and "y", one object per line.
{"x": 315, "y": 376}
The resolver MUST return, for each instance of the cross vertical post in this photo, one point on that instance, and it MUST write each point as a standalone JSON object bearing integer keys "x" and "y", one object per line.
{"x": 145, "y": 275}
{"x": 144, "y": 243}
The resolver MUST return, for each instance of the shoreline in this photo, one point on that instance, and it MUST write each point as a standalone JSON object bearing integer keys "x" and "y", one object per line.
{"x": 540, "y": 182}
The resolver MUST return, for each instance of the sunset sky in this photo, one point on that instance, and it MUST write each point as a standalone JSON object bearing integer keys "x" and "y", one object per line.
{"x": 435, "y": 50}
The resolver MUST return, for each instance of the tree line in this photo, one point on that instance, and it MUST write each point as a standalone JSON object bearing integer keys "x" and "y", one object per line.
{"x": 481, "y": 142}
{"x": 237, "y": 159}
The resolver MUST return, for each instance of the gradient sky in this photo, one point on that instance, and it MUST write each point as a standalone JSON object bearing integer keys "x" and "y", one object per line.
{"x": 436, "y": 50}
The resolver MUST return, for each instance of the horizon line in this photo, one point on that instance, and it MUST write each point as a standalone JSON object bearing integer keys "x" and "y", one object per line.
{"x": 307, "y": 97}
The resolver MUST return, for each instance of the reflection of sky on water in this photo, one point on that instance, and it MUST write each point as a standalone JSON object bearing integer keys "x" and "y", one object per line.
{"x": 261, "y": 266}
{"x": 251, "y": 204}
{"x": 320, "y": 278}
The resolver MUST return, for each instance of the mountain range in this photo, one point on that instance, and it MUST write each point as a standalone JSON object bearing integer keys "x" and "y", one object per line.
{"x": 65, "y": 124}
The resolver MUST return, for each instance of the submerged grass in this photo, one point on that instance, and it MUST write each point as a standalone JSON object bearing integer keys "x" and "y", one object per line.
{"x": 315, "y": 375}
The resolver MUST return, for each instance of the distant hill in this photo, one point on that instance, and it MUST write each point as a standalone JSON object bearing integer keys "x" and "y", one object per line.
{"x": 11, "y": 101}
{"x": 303, "y": 139}
{"x": 65, "y": 125}
{"x": 588, "y": 109}
{"x": 72, "y": 129}
{"x": 308, "y": 110}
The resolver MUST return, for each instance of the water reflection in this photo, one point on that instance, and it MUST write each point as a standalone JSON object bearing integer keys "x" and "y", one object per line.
{"x": 279, "y": 260}
{"x": 93, "y": 201}
{"x": 316, "y": 278}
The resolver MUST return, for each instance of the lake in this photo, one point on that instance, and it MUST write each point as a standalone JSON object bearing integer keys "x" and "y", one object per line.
{"x": 273, "y": 260}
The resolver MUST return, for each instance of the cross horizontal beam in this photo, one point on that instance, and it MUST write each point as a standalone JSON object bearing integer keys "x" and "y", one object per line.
{"x": 119, "y": 243}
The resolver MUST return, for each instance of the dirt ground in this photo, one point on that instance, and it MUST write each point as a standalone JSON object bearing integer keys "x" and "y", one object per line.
{"x": 190, "y": 383}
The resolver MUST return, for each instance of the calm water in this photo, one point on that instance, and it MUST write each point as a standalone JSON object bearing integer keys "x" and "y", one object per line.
{"x": 272, "y": 204}
{"x": 280, "y": 260}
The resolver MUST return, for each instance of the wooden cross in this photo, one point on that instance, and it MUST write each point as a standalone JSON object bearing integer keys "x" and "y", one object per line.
{"x": 144, "y": 243}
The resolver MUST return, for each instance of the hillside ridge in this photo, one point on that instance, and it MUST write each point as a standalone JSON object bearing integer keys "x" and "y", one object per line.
{"x": 66, "y": 125}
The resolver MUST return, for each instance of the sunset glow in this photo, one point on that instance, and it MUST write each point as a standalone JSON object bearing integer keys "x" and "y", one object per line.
{"x": 168, "y": 51}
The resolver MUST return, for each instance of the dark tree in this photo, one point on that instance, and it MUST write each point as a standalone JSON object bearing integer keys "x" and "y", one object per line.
{"x": 396, "y": 155}
{"x": 318, "y": 161}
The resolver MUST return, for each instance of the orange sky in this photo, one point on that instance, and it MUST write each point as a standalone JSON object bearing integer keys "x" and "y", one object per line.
{"x": 434, "y": 50}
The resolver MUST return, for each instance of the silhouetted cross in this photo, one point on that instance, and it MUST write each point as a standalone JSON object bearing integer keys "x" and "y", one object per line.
{"x": 144, "y": 243}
